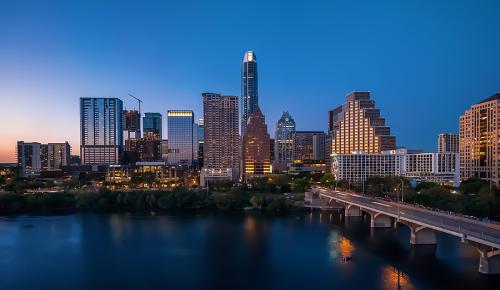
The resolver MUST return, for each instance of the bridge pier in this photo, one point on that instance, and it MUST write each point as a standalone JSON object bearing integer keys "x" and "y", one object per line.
{"x": 420, "y": 235}
{"x": 489, "y": 259}
{"x": 352, "y": 210}
{"x": 380, "y": 221}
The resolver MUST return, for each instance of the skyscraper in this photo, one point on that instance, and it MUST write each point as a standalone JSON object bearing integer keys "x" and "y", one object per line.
{"x": 283, "y": 140}
{"x": 249, "y": 87}
{"x": 309, "y": 146}
{"x": 28, "y": 158}
{"x": 479, "y": 141}
{"x": 151, "y": 123}
{"x": 256, "y": 159}
{"x": 182, "y": 143}
{"x": 221, "y": 152}
{"x": 448, "y": 142}
{"x": 357, "y": 126}
{"x": 201, "y": 140}
{"x": 58, "y": 154}
{"x": 131, "y": 124}
{"x": 101, "y": 131}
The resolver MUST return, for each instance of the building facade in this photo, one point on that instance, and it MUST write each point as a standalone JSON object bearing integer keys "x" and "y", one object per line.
{"x": 221, "y": 148}
{"x": 448, "y": 142}
{"x": 58, "y": 155}
{"x": 152, "y": 125}
{"x": 309, "y": 146}
{"x": 283, "y": 140}
{"x": 182, "y": 143}
{"x": 479, "y": 140}
{"x": 131, "y": 124}
{"x": 442, "y": 168}
{"x": 28, "y": 158}
{"x": 249, "y": 88}
{"x": 256, "y": 146}
{"x": 101, "y": 131}
{"x": 357, "y": 126}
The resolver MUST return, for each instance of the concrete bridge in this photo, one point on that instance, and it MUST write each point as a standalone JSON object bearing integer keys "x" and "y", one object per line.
{"x": 423, "y": 224}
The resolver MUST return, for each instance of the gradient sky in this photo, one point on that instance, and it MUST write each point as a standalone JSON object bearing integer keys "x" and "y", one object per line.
{"x": 425, "y": 62}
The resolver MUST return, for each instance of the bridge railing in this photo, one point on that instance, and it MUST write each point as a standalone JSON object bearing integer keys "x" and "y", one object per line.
{"x": 416, "y": 205}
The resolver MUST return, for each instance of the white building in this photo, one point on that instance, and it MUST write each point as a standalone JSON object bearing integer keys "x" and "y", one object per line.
{"x": 440, "y": 168}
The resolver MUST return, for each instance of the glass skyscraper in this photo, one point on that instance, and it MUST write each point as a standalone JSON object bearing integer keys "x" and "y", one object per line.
{"x": 101, "y": 130}
{"x": 151, "y": 123}
{"x": 249, "y": 87}
{"x": 182, "y": 142}
{"x": 285, "y": 129}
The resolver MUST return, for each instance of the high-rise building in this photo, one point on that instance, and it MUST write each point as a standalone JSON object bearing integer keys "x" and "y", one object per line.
{"x": 271, "y": 150}
{"x": 28, "y": 158}
{"x": 164, "y": 149}
{"x": 256, "y": 159}
{"x": 58, "y": 154}
{"x": 151, "y": 125}
{"x": 101, "y": 131}
{"x": 283, "y": 140}
{"x": 221, "y": 150}
{"x": 357, "y": 126}
{"x": 249, "y": 87}
{"x": 201, "y": 141}
{"x": 146, "y": 149}
{"x": 479, "y": 139}
{"x": 44, "y": 156}
{"x": 309, "y": 146}
{"x": 448, "y": 142}
{"x": 182, "y": 143}
{"x": 131, "y": 124}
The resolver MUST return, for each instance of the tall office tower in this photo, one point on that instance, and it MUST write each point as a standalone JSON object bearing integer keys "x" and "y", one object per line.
{"x": 249, "y": 87}
{"x": 221, "y": 150}
{"x": 151, "y": 125}
{"x": 101, "y": 131}
{"x": 271, "y": 150}
{"x": 44, "y": 156}
{"x": 181, "y": 137}
{"x": 131, "y": 124}
{"x": 58, "y": 154}
{"x": 309, "y": 146}
{"x": 283, "y": 141}
{"x": 146, "y": 149}
{"x": 256, "y": 159}
{"x": 357, "y": 126}
{"x": 479, "y": 141}
{"x": 201, "y": 140}
{"x": 448, "y": 143}
{"x": 28, "y": 158}
{"x": 164, "y": 149}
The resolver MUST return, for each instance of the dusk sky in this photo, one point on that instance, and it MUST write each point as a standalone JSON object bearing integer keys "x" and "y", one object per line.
{"x": 425, "y": 62}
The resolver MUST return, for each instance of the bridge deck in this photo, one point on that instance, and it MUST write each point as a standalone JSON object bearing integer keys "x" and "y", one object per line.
{"x": 468, "y": 229}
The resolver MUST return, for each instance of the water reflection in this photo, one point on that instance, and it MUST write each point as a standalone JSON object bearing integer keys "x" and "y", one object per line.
{"x": 393, "y": 278}
{"x": 341, "y": 248}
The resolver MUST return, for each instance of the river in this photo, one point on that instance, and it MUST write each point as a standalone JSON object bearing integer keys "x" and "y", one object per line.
{"x": 226, "y": 251}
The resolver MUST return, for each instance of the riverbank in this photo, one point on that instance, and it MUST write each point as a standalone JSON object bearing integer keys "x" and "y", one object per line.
{"x": 142, "y": 201}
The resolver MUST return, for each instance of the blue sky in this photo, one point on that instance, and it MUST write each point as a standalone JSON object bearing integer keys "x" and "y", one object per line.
{"x": 425, "y": 62}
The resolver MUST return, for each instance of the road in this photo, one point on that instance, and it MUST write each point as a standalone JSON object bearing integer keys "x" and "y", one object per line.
{"x": 468, "y": 229}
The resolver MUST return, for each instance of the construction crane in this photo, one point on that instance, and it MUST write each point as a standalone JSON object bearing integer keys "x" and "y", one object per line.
{"x": 138, "y": 100}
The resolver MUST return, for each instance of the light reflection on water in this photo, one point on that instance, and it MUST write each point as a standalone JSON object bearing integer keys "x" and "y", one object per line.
{"x": 393, "y": 278}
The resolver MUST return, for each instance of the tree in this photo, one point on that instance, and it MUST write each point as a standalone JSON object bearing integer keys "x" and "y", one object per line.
{"x": 327, "y": 179}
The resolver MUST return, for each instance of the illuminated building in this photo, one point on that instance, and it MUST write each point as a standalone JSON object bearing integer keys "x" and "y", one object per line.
{"x": 164, "y": 149}
{"x": 249, "y": 88}
{"x": 152, "y": 125}
{"x": 479, "y": 142}
{"x": 131, "y": 124}
{"x": 161, "y": 175}
{"x": 142, "y": 149}
{"x": 201, "y": 140}
{"x": 182, "y": 143}
{"x": 256, "y": 145}
{"x": 283, "y": 141}
{"x": 357, "y": 126}
{"x": 58, "y": 154}
{"x": 101, "y": 131}
{"x": 356, "y": 167}
{"x": 28, "y": 158}
{"x": 221, "y": 150}
{"x": 308, "y": 146}
{"x": 448, "y": 142}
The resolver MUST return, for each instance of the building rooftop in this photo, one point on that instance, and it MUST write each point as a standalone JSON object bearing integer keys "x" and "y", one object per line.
{"x": 492, "y": 98}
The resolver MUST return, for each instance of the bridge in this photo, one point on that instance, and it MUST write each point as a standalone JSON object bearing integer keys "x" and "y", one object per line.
{"x": 423, "y": 224}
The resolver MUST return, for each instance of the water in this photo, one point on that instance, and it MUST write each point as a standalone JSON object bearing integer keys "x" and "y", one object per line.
{"x": 226, "y": 251}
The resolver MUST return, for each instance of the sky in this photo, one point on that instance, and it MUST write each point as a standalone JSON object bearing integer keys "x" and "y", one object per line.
{"x": 425, "y": 62}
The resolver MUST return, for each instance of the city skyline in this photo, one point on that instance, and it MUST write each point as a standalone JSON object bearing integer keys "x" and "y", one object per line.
{"x": 441, "y": 67}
